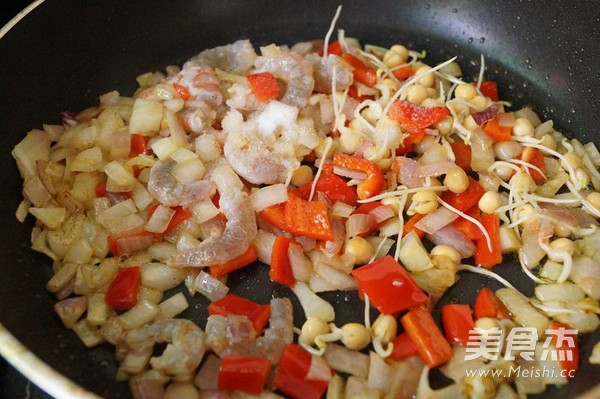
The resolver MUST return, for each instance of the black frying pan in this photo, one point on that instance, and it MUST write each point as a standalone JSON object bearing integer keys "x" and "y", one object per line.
{"x": 64, "y": 54}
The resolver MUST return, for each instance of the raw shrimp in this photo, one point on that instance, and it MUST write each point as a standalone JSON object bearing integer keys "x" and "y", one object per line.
{"x": 164, "y": 186}
{"x": 295, "y": 72}
{"x": 266, "y": 149}
{"x": 202, "y": 84}
{"x": 236, "y": 57}
{"x": 323, "y": 73}
{"x": 184, "y": 350}
{"x": 240, "y": 228}
{"x": 234, "y": 335}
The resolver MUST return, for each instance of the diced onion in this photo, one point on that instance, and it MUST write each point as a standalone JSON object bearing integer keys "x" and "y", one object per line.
{"x": 358, "y": 223}
{"x": 348, "y": 361}
{"x": 313, "y": 305}
{"x": 436, "y": 220}
{"x": 171, "y": 307}
{"x": 523, "y": 313}
{"x": 318, "y": 369}
{"x": 160, "y": 219}
{"x": 264, "y": 246}
{"x": 453, "y": 237}
{"x": 506, "y": 119}
{"x": 435, "y": 169}
{"x": 268, "y": 196}
{"x": 341, "y": 210}
{"x": 210, "y": 287}
{"x": 349, "y": 173}
{"x": 382, "y": 213}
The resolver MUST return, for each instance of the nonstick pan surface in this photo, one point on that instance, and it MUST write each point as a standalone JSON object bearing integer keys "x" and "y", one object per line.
{"x": 63, "y": 54}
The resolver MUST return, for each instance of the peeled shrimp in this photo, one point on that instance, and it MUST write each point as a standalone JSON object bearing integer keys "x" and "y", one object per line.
{"x": 295, "y": 72}
{"x": 236, "y": 57}
{"x": 184, "y": 350}
{"x": 165, "y": 187}
{"x": 235, "y": 336}
{"x": 323, "y": 73}
{"x": 266, "y": 148}
{"x": 202, "y": 84}
{"x": 240, "y": 228}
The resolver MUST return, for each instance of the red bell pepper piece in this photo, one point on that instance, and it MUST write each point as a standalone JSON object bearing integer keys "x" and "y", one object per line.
{"x": 375, "y": 180}
{"x": 275, "y": 215}
{"x": 123, "y": 289}
{"x": 484, "y": 256}
{"x": 389, "y": 286}
{"x": 427, "y": 337}
{"x": 457, "y": 321}
{"x": 414, "y": 118}
{"x": 281, "y": 269}
{"x": 496, "y": 132}
{"x": 362, "y": 73}
{"x": 409, "y": 142}
{"x": 467, "y": 199}
{"x": 234, "y": 304}
{"x": 409, "y": 226}
{"x": 535, "y": 157}
{"x": 566, "y": 341}
{"x": 468, "y": 228}
{"x": 462, "y": 153}
{"x": 353, "y": 93}
{"x": 489, "y": 89}
{"x": 263, "y": 85}
{"x": 182, "y": 91}
{"x": 334, "y": 48}
{"x": 179, "y": 217}
{"x": 248, "y": 257}
{"x": 404, "y": 72}
{"x": 291, "y": 375}
{"x": 247, "y": 374}
{"x": 307, "y": 218}
{"x": 331, "y": 186}
{"x": 403, "y": 347}
{"x": 138, "y": 146}
{"x": 100, "y": 190}
{"x": 488, "y": 305}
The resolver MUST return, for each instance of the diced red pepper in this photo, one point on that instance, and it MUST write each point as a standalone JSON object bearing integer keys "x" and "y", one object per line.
{"x": 468, "y": 228}
{"x": 427, "y": 337}
{"x": 389, "y": 286}
{"x": 362, "y": 73}
{"x": 535, "y": 157}
{"x": 334, "y": 48}
{"x": 467, "y": 199}
{"x": 275, "y": 215}
{"x": 403, "y": 347}
{"x": 139, "y": 146}
{"x": 409, "y": 226}
{"x": 123, "y": 289}
{"x": 263, "y": 85}
{"x": 458, "y": 321}
{"x": 462, "y": 153}
{"x": 332, "y": 186}
{"x": 488, "y": 305}
{"x": 409, "y": 142}
{"x": 307, "y": 218}
{"x": 100, "y": 190}
{"x": 563, "y": 345}
{"x": 248, "y": 257}
{"x": 291, "y": 375}
{"x": 414, "y": 118}
{"x": 242, "y": 373}
{"x": 182, "y": 91}
{"x": 353, "y": 93}
{"x": 375, "y": 180}
{"x": 234, "y": 304}
{"x": 496, "y": 132}
{"x": 484, "y": 256}
{"x": 404, "y": 72}
{"x": 281, "y": 269}
{"x": 489, "y": 89}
